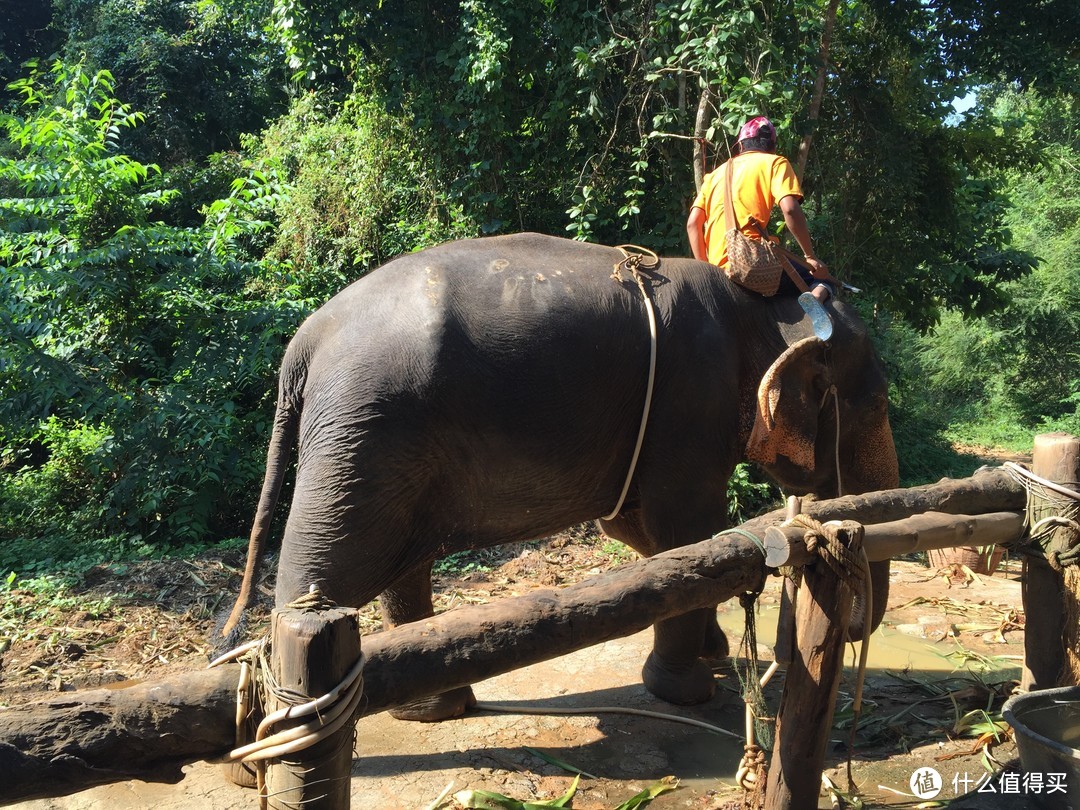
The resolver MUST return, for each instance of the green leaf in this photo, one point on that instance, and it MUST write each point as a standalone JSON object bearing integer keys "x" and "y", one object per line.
{"x": 487, "y": 800}
{"x": 651, "y": 792}
{"x": 558, "y": 763}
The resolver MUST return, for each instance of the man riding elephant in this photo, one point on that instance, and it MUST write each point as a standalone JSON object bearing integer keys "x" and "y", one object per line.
{"x": 759, "y": 180}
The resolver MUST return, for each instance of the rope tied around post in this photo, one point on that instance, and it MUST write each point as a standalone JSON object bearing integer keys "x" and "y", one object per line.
{"x": 1065, "y": 502}
{"x": 821, "y": 539}
{"x": 257, "y": 682}
{"x": 633, "y": 263}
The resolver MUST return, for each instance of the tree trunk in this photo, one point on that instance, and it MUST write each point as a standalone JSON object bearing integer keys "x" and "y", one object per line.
{"x": 819, "y": 87}
{"x": 701, "y": 125}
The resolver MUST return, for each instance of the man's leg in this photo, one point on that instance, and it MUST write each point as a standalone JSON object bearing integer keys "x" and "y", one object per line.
{"x": 813, "y": 301}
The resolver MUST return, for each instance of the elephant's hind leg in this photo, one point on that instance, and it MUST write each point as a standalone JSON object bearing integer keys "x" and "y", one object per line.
{"x": 409, "y": 600}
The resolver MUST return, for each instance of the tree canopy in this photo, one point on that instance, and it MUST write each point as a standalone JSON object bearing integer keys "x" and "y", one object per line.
{"x": 182, "y": 181}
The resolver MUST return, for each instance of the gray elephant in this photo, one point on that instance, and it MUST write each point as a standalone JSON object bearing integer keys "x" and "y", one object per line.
{"x": 490, "y": 391}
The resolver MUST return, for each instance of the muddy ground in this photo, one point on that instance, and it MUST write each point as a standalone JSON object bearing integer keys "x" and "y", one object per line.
{"x": 946, "y": 648}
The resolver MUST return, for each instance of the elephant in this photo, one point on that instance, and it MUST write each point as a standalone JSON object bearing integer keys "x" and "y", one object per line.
{"x": 490, "y": 391}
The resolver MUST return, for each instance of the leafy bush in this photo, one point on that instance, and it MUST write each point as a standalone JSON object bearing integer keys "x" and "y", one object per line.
{"x": 138, "y": 359}
{"x": 360, "y": 195}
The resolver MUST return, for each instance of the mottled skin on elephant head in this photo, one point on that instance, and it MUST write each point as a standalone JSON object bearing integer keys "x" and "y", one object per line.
{"x": 490, "y": 391}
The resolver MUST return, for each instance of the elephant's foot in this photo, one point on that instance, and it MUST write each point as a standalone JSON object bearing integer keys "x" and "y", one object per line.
{"x": 682, "y": 684}
{"x": 437, "y": 707}
{"x": 715, "y": 649}
{"x": 240, "y": 773}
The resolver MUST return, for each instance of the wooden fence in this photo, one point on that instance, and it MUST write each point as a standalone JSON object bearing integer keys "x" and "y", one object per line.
{"x": 66, "y": 743}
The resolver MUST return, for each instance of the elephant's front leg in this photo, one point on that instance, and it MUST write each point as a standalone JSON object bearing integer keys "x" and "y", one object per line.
{"x": 675, "y": 670}
{"x": 409, "y": 600}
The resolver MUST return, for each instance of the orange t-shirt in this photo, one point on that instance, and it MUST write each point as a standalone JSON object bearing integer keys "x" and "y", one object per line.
{"x": 759, "y": 181}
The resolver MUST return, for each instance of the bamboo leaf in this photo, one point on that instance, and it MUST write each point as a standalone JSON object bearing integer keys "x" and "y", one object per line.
{"x": 558, "y": 763}
{"x": 648, "y": 794}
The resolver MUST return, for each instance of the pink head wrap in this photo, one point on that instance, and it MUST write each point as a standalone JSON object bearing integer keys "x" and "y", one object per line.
{"x": 758, "y": 127}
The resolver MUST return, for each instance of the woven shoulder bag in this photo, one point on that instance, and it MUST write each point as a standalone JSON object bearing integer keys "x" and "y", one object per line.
{"x": 752, "y": 263}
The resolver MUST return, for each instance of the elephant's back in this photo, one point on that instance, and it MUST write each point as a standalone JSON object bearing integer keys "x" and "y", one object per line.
{"x": 500, "y": 299}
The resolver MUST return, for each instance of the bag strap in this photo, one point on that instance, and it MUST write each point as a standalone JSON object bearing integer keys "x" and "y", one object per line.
{"x": 729, "y": 208}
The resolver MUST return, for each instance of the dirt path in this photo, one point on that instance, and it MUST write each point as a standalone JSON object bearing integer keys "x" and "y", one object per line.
{"x": 941, "y": 644}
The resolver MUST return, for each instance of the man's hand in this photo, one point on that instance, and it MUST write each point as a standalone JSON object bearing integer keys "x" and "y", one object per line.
{"x": 818, "y": 269}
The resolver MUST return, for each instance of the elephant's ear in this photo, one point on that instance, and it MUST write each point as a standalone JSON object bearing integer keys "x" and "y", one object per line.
{"x": 788, "y": 402}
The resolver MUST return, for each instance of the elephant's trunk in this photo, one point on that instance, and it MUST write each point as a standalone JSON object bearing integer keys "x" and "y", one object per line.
{"x": 875, "y": 469}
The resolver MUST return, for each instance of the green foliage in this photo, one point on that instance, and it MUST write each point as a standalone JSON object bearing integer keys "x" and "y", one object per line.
{"x": 749, "y": 494}
{"x": 203, "y": 71}
{"x": 45, "y": 507}
{"x": 138, "y": 358}
{"x": 359, "y": 194}
{"x": 571, "y": 118}
{"x": 1000, "y": 378}
{"x": 460, "y": 563}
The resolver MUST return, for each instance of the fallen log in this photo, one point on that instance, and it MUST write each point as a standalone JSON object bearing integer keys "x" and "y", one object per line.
{"x": 77, "y": 740}
{"x": 990, "y": 489}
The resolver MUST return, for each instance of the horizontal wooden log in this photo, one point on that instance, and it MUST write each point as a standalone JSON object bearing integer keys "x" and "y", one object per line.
{"x": 74, "y": 741}
{"x": 784, "y": 545}
{"x": 991, "y": 489}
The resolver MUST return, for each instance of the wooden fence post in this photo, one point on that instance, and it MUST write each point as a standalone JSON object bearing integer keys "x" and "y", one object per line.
{"x": 803, "y": 723}
{"x": 312, "y": 651}
{"x": 1056, "y": 457}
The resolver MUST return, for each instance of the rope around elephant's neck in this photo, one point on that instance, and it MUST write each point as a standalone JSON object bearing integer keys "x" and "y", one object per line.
{"x": 632, "y": 263}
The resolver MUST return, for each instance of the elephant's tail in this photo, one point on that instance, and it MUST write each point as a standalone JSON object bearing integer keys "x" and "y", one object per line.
{"x": 282, "y": 439}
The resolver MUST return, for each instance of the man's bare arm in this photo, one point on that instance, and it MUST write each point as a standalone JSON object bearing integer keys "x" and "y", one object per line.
{"x": 695, "y": 232}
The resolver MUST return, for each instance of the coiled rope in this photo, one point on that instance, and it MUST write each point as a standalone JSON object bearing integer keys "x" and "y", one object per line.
{"x": 331, "y": 711}
{"x": 1064, "y": 501}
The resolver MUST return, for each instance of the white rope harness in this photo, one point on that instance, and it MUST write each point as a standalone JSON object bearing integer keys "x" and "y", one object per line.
{"x": 633, "y": 262}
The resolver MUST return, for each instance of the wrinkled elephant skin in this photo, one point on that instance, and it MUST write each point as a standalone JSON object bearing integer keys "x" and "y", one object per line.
{"x": 490, "y": 391}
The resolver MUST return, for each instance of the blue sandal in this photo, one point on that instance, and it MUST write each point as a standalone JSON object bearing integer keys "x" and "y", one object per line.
{"x": 819, "y": 316}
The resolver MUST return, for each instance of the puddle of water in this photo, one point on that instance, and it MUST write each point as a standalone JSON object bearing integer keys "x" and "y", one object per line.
{"x": 889, "y": 648}
{"x": 119, "y": 684}
{"x": 700, "y": 758}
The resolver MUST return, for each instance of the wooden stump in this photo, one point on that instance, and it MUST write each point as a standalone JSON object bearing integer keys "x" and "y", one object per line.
{"x": 1047, "y": 603}
{"x": 312, "y": 652}
{"x": 822, "y": 614}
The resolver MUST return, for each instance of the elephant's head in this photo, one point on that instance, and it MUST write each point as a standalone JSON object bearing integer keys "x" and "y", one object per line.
{"x": 822, "y": 426}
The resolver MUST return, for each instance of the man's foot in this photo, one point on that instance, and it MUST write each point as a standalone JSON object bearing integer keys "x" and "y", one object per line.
{"x": 819, "y": 316}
